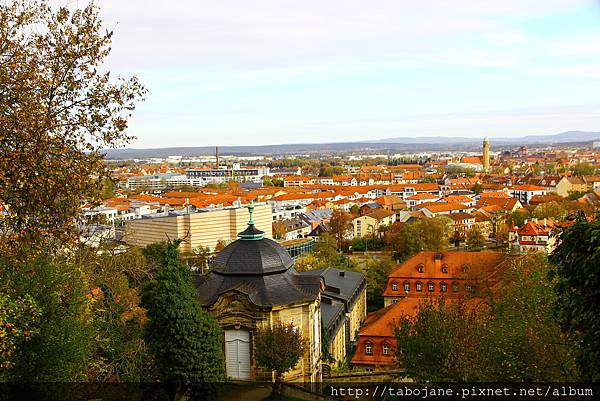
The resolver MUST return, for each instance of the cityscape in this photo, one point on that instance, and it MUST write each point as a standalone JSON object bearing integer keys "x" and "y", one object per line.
{"x": 370, "y": 258}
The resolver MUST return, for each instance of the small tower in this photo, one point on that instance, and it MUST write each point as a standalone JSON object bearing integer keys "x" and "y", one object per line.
{"x": 486, "y": 154}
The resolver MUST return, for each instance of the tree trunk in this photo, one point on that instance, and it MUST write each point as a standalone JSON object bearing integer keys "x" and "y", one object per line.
{"x": 277, "y": 386}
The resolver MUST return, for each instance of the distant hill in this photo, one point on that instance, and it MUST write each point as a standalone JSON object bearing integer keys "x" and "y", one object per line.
{"x": 563, "y": 137}
{"x": 400, "y": 144}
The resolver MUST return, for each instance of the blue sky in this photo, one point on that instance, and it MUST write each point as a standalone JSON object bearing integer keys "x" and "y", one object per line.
{"x": 239, "y": 72}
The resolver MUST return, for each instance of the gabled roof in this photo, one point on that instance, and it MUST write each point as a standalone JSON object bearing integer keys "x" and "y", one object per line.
{"x": 453, "y": 260}
{"x": 534, "y": 229}
{"x": 503, "y": 203}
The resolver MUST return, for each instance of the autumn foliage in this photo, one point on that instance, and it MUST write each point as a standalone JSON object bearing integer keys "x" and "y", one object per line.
{"x": 59, "y": 109}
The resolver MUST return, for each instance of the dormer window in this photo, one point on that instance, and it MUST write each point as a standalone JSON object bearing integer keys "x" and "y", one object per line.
{"x": 421, "y": 268}
{"x": 394, "y": 286}
{"x": 464, "y": 268}
{"x": 369, "y": 349}
{"x": 445, "y": 269}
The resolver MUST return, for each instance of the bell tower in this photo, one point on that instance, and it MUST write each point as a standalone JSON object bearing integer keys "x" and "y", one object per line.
{"x": 486, "y": 154}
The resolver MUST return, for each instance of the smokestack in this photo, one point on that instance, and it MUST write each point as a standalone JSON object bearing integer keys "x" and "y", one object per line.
{"x": 217, "y": 155}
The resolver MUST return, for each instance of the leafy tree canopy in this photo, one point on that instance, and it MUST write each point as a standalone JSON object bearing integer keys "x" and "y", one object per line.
{"x": 279, "y": 348}
{"x": 576, "y": 261}
{"x": 60, "y": 108}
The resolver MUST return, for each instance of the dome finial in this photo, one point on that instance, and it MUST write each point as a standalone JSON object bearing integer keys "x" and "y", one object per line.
{"x": 251, "y": 232}
{"x": 251, "y": 211}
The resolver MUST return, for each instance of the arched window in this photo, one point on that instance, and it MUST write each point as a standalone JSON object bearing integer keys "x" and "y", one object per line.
{"x": 406, "y": 286}
{"x": 445, "y": 269}
{"x": 421, "y": 268}
{"x": 386, "y": 349}
{"x": 431, "y": 286}
{"x": 443, "y": 287}
{"x": 369, "y": 349}
{"x": 394, "y": 286}
{"x": 419, "y": 286}
{"x": 455, "y": 287}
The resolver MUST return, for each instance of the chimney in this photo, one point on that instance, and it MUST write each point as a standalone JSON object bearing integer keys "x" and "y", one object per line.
{"x": 437, "y": 261}
{"x": 342, "y": 273}
{"x": 545, "y": 222}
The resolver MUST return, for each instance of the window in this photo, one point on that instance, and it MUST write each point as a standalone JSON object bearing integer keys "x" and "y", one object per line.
{"x": 421, "y": 268}
{"x": 369, "y": 349}
{"x": 394, "y": 286}
{"x": 464, "y": 268}
{"x": 386, "y": 349}
{"x": 430, "y": 287}
{"x": 406, "y": 286}
{"x": 445, "y": 269}
{"x": 394, "y": 301}
{"x": 419, "y": 286}
{"x": 443, "y": 287}
{"x": 469, "y": 287}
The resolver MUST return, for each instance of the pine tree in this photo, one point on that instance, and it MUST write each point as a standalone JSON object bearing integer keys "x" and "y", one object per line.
{"x": 185, "y": 340}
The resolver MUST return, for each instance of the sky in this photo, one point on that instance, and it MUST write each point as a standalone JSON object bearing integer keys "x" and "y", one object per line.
{"x": 240, "y": 72}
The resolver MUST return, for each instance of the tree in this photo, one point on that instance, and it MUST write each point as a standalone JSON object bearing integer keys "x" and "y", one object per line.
{"x": 326, "y": 248}
{"x": 518, "y": 217}
{"x": 220, "y": 245}
{"x": 502, "y": 234}
{"x": 376, "y": 274}
{"x": 428, "y": 234}
{"x": 477, "y": 188}
{"x": 553, "y": 210}
{"x": 475, "y": 237}
{"x": 340, "y": 225}
{"x": 19, "y": 320}
{"x": 279, "y": 349}
{"x": 198, "y": 258}
{"x": 324, "y": 255}
{"x": 583, "y": 168}
{"x": 427, "y": 343}
{"x": 186, "y": 341}
{"x": 59, "y": 110}
{"x": 118, "y": 352}
{"x": 506, "y": 334}
{"x": 576, "y": 260}
{"x": 60, "y": 325}
{"x": 355, "y": 210}
{"x": 279, "y": 230}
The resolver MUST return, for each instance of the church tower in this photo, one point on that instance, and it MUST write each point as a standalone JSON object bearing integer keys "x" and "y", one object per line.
{"x": 486, "y": 155}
